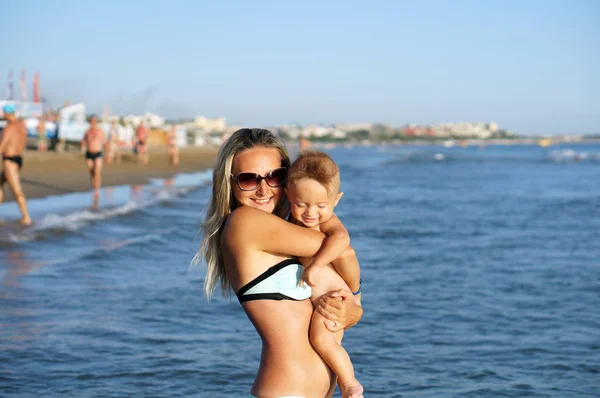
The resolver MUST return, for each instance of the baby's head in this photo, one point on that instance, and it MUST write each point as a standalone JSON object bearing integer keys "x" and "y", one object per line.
{"x": 313, "y": 188}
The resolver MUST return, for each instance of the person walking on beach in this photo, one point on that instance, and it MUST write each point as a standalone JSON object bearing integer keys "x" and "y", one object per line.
{"x": 304, "y": 143}
{"x": 42, "y": 142}
{"x": 172, "y": 149}
{"x": 141, "y": 144}
{"x": 93, "y": 142}
{"x": 12, "y": 144}
{"x": 313, "y": 190}
{"x": 113, "y": 153}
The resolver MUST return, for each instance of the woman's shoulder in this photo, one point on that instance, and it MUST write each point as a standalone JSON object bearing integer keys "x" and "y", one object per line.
{"x": 246, "y": 224}
{"x": 246, "y": 216}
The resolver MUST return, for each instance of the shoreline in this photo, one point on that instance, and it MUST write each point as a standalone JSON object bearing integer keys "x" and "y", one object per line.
{"x": 51, "y": 173}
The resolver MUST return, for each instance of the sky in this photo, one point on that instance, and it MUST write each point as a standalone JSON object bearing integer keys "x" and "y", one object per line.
{"x": 531, "y": 66}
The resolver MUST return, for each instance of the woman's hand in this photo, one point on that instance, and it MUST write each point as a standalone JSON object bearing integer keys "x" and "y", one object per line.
{"x": 340, "y": 309}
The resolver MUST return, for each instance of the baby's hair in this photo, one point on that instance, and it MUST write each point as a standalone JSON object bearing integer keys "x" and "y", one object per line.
{"x": 317, "y": 166}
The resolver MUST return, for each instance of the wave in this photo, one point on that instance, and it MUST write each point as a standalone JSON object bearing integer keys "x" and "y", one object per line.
{"x": 148, "y": 195}
{"x": 74, "y": 255}
{"x": 450, "y": 156}
{"x": 420, "y": 157}
{"x": 71, "y": 222}
{"x": 569, "y": 155}
{"x": 93, "y": 251}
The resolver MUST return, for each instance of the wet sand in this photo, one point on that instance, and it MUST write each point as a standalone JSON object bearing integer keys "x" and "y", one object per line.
{"x": 52, "y": 173}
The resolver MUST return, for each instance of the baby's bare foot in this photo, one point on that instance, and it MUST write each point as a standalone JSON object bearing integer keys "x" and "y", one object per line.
{"x": 352, "y": 389}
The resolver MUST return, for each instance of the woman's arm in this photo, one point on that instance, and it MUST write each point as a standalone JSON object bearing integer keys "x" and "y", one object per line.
{"x": 249, "y": 227}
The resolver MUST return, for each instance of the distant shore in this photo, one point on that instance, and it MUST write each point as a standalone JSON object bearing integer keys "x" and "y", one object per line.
{"x": 51, "y": 173}
{"x": 461, "y": 141}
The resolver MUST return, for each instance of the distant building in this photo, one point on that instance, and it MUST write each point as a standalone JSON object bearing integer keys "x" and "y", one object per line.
{"x": 217, "y": 124}
{"x": 317, "y": 132}
{"x": 150, "y": 120}
{"x": 348, "y": 127}
{"x": 207, "y": 131}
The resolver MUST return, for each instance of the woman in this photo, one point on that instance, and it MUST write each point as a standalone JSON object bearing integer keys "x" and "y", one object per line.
{"x": 249, "y": 247}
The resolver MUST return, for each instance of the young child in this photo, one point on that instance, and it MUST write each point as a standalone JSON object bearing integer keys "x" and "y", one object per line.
{"x": 312, "y": 189}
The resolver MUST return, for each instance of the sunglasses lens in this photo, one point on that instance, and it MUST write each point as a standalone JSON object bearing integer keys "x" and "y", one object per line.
{"x": 276, "y": 178}
{"x": 251, "y": 181}
{"x": 247, "y": 181}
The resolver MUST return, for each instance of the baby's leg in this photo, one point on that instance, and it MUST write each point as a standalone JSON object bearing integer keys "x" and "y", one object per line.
{"x": 328, "y": 344}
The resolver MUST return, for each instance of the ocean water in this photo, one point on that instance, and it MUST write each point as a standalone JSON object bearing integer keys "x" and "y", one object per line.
{"x": 481, "y": 272}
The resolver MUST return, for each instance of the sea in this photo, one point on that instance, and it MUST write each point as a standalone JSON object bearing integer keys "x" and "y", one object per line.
{"x": 480, "y": 267}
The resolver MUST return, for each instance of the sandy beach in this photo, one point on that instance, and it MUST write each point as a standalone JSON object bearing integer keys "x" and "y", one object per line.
{"x": 52, "y": 173}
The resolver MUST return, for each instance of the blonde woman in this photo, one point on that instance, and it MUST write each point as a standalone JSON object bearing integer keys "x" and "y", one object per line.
{"x": 251, "y": 249}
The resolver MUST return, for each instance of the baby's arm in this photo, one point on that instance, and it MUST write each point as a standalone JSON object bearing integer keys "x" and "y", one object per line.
{"x": 348, "y": 268}
{"x": 345, "y": 264}
{"x": 334, "y": 245}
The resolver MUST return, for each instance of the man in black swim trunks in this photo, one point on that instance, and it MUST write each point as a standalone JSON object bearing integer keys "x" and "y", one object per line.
{"x": 12, "y": 143}
{"x": 93, "y": 142}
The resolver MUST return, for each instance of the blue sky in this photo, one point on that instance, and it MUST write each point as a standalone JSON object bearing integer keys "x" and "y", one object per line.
{"x": 531, "y": 66}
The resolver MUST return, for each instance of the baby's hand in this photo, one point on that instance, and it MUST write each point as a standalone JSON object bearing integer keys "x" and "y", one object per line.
{"x": 309, "y": 275}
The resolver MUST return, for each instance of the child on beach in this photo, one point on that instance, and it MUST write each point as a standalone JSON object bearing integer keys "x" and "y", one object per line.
{"x": 312, "y": 189}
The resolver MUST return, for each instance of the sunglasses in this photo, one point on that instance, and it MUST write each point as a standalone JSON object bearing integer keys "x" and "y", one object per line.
{"x": 251, "y": 181}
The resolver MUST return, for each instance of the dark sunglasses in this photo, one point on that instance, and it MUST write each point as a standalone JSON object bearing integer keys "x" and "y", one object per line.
{"x": 251, "y": 181}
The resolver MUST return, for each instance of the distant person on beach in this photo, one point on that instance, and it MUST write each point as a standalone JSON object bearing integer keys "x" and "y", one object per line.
{"x": 136, "y": 192}
{"x": 113, "y": 152}
{"x": 93, "y": 142}
{"x": 313, "y": 190}
{"x": 140, "y": 145}
{"x": 168, "y": 182}
{"x": 172, "y": 149}
{"x": 60, "y": 142}
{"x": 42, "y": 142}
{"x": 249, "y": 247}
{"x": 304, "y": 143}
{"x": 12, "y": 144}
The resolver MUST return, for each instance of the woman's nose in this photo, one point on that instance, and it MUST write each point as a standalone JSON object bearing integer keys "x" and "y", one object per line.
{"x": 262, "y": 188}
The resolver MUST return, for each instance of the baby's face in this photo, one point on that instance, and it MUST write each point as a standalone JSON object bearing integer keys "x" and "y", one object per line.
{"x": 311, "y": 203}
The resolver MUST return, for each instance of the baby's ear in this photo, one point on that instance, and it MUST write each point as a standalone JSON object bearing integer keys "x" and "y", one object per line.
{"x": 338, "y": 197}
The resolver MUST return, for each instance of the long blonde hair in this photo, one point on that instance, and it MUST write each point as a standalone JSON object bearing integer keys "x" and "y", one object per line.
{"x": 222, "y": 201}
